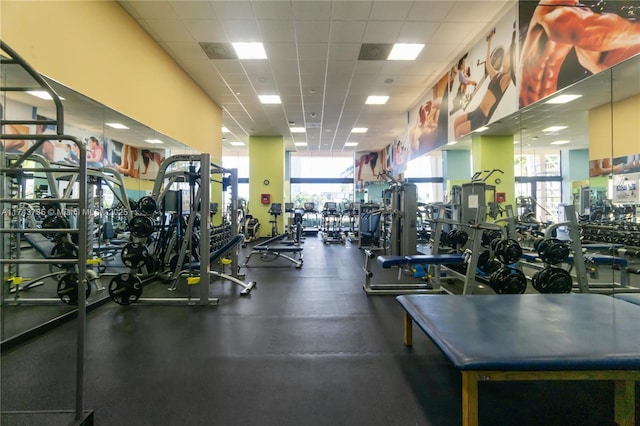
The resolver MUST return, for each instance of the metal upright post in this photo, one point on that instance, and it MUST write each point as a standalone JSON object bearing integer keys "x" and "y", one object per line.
{"x": 205, "y": 218}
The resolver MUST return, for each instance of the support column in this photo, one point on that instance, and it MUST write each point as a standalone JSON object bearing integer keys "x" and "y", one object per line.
{"x": 266, "y": 176}
{"x": 496, "y": 152}
{"x": 456, "y": 168}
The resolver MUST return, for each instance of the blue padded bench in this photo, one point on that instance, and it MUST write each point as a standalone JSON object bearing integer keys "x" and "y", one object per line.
{"x": 419, "y": 259}
{"x": 600, "y": 259}
{"x": 532, "y": 337}
{"x": 629, "y": 297}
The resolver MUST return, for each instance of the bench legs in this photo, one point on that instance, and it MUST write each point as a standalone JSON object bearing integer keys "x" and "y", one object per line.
{"x": 408, "y": 329}
{"x": 625, "y": 402}
{"x": 470, "y": 398}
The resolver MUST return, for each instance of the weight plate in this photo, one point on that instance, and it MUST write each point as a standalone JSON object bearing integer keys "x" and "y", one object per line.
{"x": 147, "y": 205}
{"x": 508, "y": 281}
{"x": 125, "y": 289}
{"x": 64, "y": 250}
{"x": 141, "y": 226}
{"x": 68, "y": 289}
{"x": 134, "y": 255}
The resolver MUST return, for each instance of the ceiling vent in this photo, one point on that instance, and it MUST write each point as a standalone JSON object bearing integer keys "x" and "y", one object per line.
{"x": 374, "y": 51}
{"x": 219, "y": 50}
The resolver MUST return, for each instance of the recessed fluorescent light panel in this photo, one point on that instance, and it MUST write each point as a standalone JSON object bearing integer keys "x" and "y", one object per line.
{"x": 554, "y": 128}
{"x": 351, "y": 144}
{"x": 563, "y": 99}
{"x": 249, "y": 50}
{"x": 405, "y": 52}
{"x": 560, "y": 143}
{"x": 297, "y": 129}
{"x": 42, "y": 94}
{"x": 269, "y": 99}
{"x": 153, "y": 141}
{"x": 300, "y": 143}
{"x": 359, "y": 130}
{"x": 481, "y": 129}
{"x": 117, "y": 126}
{"x": 237, "y": 143}
{"x": 377, "y": 100}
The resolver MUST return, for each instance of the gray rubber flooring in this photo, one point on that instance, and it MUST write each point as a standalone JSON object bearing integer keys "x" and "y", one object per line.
{"x": 307, "y": 347}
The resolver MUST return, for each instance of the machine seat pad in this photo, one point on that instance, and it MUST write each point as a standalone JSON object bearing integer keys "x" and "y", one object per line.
{"x": 629, "y": 297}
{"x": 530, "y": 332}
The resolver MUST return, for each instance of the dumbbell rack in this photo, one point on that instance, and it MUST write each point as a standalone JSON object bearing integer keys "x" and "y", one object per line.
{"x": 473, "y": 248}
{"x": 18, "y": 167}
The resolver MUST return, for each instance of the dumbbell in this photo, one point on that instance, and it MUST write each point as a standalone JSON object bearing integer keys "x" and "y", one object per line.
{"x": 508, "y": 280}
{"x": 552, "y": 250}
{"x": 507, "y": 251}
{"x": 552, "y": 280}
{"x": 487, "y": 265}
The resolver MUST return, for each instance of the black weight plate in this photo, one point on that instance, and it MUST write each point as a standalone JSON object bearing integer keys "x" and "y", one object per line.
{"x": 134, "y": 255}
{"x": 147, "y": 205}
{"x": 64, "y": 250}
{"x": 508, "y": 281}
{"x": 141, "y": 226}
{"x": 508, "y": 251}
{"x": 125, "y": 289}
{"x": 68, "y": 289}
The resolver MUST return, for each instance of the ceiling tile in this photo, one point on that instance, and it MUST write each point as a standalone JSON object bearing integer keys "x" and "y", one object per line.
{"x": 348, "y": 31}
{"x": 169, "y": 30}
{"x": 312, "y": 51}
{"x": 351, "y": 10}
{"x": 433, "y": 11}
{"x": 242, "y": 30}
{"x": 276, "y": 31}
{"x": 390, "y": 10}
{"x": 382, "y": 32}
{"x": 187, "y": 51}
{"x": 232, "y": 10}
{"x": 312, "y": 31}
{"x": 311, "y": 9}
{"x": 153, "y": 10}
{"x": 193, "y": 9}
{"x": 417, "y": 32}
{"x": 343, "y": 51}
{"x": 208, "y": 30}
{"x": 272, "y": 10}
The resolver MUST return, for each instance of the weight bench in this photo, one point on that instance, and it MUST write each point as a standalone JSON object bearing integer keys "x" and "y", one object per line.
{"x": 213, "y": 257}
{"x": 628, "y": 297}
{"x": 402, "y": 262}
{"x": 544, "y": 337}
{"x": 274, "y": 248}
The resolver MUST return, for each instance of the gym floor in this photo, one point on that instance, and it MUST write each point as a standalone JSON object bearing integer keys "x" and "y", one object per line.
{"x": 307, "y": 347}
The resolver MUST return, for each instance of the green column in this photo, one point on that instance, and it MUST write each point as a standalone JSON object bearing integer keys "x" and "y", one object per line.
{"x": 496, "y": 152}
{"x": 266, "y": 164}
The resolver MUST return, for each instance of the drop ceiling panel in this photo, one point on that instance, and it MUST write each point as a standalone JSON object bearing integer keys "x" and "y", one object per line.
{"x": 312, "y": 51}
{"x": 206, "y": 30}
{"x": 351, "y": 10}
{"x": 152, "y": 10}
{"x": 382, "y": 32}
{"x": 242, "y": 30}
{"x": 417, "y": 32}
{"x": 348, "y": 31}
{"x": 232, "y": 9}
{"x": 276, "y": 31}
{"x": 432, "y": 11}
{"x": 272, "y": 10}
{"x": 312, "y": 31}
{"x": 311, "y": 9}
{"x": 169, "y": 30}
{"x": 390, "y": 10}
{"x": 343, "y": 51}
{"x": 193, "y": 9}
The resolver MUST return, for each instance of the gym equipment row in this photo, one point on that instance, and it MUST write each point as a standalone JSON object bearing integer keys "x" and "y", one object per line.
{"x": 12, "y": 171}
{"x": 183, "y": 239}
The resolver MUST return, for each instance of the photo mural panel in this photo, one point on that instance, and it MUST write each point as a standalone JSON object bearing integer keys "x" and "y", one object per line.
{"x": 563, "y": 42}
{"x": 482, "y": 83}
{"x": 428, "y": 122}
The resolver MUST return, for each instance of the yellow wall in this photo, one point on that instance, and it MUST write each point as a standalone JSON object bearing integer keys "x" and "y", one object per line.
{"x": 266, "y": 161}
{"x": 625, "y": 137}
{"x": 496, "y": 152}
{"x": 97, "y": 49}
